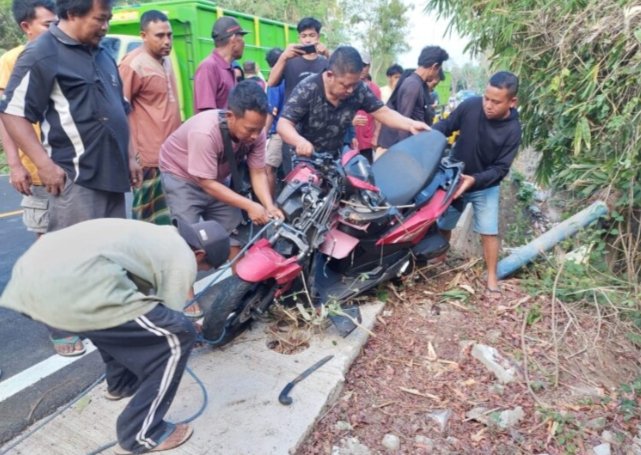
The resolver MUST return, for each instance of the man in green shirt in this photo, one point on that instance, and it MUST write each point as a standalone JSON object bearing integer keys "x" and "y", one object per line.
{"x": 123, "y": 284}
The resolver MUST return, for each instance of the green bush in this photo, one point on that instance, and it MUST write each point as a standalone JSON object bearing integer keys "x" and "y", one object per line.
{"x": 580, "y": 97}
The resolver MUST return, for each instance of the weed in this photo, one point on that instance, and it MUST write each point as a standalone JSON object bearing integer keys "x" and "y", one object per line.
{"x": 629, "y": 399}
{"x": 565, "y": 429}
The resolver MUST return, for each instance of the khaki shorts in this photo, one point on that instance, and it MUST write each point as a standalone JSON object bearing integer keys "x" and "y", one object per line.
{"x": 35, "y": 210}
{"x": 274, "y": 151}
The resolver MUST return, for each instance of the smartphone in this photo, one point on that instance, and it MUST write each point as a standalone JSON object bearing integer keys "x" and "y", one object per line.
{"x": 308, "y": 48}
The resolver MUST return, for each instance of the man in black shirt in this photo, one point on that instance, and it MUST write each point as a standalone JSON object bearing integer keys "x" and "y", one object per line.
{"x": 412, "y": 97}
{"x": 322, "y": 107}
{"x": 490, "y": 135}
{"x": 295, "y": 63}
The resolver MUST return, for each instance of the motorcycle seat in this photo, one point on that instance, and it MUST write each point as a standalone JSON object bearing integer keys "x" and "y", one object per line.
{"x": 408, "y": 166}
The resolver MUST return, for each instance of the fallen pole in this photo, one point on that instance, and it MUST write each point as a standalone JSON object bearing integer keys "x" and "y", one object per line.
{"x": 527, "y": 253}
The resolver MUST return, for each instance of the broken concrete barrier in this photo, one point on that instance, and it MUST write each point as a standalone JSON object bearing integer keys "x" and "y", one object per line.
{"x": 502, "y": 368}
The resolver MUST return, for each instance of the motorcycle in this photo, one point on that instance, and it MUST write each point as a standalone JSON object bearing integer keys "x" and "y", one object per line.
{"x": 349, "y": 227}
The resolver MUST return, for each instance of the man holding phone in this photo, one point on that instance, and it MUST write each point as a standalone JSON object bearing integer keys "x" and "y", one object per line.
{"x": 297, "y": 62}
{"x": 300, "y": 60}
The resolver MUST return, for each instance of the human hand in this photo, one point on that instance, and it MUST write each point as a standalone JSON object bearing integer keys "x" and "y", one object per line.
{"x": 291, "y": 51}
{"x": 322, "y": 50}
{"x": 135, "y": 173}
{"x": 304, "y": 148}
{"x": 53, "y": 178}
{"x": 258, "y": 214}
{"x": 467, "y": 182}
{"x": 417, "y": 127}
{"x": 20, "y": 179}
{"x": 359, "y": 120}
{"x": 275, "y": 213}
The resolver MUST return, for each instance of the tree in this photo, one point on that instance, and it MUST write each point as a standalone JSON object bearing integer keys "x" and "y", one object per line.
{"x": 10, "y": 33}
{"x": 385, "y": 24}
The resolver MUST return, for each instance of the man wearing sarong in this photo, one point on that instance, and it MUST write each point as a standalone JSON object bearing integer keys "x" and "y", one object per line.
{"x": 150, "y": 86}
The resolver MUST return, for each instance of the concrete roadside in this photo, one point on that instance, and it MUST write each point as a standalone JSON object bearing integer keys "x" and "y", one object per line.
{"x": 242, "y": 413}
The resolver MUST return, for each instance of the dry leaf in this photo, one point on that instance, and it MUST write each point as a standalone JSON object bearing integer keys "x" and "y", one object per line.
{"x": 468, "y": 288}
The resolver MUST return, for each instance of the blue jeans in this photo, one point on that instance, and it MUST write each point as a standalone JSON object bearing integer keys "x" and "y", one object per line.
{"x": 485, "y": 205}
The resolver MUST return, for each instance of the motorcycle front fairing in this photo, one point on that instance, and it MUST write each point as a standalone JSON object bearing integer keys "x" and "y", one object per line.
{"x": 262, "y": 262}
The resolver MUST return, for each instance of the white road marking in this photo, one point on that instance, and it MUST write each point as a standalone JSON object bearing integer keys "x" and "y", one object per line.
{"x": 30, "y": 376}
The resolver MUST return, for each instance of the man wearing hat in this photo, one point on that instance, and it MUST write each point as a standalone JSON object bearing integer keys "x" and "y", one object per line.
{"x": 214, "y": 77}
{"x": 123, "y": 284}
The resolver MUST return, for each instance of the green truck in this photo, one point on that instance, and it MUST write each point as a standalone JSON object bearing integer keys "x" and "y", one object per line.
{"x": 191, "y": 22}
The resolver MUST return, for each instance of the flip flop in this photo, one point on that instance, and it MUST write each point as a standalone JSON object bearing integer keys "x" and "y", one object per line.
{"x": 193, "y": 311}
{"x": 182, "y": 432}
{"x": 115, "y": 396}
{"x": 68, "y": 341}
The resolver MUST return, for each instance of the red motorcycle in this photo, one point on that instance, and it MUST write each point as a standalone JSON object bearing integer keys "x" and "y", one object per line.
{"x": 349, "y": 227}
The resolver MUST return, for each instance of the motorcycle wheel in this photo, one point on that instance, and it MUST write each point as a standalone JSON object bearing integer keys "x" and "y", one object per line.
{"x": 228, "y": 306}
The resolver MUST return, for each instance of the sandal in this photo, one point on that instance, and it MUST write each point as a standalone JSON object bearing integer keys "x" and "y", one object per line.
{"x": 182, "y": 432}
{"x": 193, "y": 311}
{"x": 115, "y": 396}
{"x": 74, "y": 341}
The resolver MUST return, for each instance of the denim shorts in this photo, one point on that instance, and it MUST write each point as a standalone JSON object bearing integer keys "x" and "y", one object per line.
{"x": 485, "y": 205}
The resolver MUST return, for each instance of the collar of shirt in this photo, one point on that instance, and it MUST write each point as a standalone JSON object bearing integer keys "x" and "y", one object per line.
{"x": 69, "y": 41}
{"x": 220, "y": 61}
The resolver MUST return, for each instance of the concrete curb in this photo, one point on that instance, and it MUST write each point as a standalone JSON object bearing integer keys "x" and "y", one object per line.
{"x": 243, "y": 415}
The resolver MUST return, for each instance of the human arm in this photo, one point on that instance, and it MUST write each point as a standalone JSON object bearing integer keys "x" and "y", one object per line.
{"x": 288, "y": 133}
{"x": 174, "y": 272}
{"x": 52, "y": 175}
{"x": 33, "y": 78}
{"x": 18, "y": 176}
{"x": 276, "y": 74}
{"x": 393, "y": 119}
{"x": 257, "y": 213}
{"x": 452, "y": 123}
{"x": 260, "y": 185}
{"x": 499, "y": 168}
{"x": 135, "y": 170}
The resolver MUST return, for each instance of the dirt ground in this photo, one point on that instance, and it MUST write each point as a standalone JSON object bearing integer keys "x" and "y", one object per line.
{"x": 417, "y": 380}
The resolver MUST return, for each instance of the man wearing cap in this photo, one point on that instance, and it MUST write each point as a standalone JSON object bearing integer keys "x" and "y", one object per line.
{"x": 214, "y": 77}
{"x": 123, "y": 284}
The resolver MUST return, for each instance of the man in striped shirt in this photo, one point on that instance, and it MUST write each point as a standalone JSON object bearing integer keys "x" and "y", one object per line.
{"x": 69, "y": 84}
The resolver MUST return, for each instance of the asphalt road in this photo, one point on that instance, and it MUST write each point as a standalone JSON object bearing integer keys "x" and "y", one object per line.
{"x": 25, "y": 343}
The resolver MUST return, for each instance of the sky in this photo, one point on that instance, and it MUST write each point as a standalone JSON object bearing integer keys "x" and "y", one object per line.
{"x": 427, "y": 30}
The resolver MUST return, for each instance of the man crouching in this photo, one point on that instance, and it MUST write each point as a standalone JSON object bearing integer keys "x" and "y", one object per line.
{"x": 123, "y": 284}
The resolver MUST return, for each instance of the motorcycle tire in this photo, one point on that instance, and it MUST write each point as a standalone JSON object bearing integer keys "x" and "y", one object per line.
{"x": 225, "y": 302}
